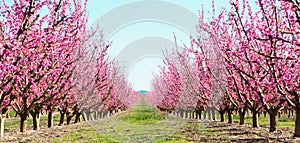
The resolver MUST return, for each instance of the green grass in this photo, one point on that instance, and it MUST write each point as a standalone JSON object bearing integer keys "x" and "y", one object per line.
{"x": 82, "y": 133}
{"x": 142, "y": 114}
{"x": 12, "y": 113}
{"x": 282, "y": 122}
{"x": 14, "y": 123}
{"x": 142, "y": 123}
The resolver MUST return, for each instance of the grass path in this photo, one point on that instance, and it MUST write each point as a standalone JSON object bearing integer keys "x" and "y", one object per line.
{"x": 144, "y": 123}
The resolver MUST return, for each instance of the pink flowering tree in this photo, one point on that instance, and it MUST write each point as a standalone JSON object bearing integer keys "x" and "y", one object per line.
{"x": 261, "y": 53}
{"x": 6, "y": 77}
{"x": 41, "y": 46}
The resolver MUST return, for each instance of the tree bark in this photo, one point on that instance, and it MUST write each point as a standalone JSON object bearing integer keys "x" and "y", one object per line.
{"x": 77, "y": 117}
{"x": 193, "y": 115}
{"x": 62, "y": 118}
{"x": 23, "y": 122}
{"x": 272, "y": 121}
{"x": 199, "y": 114}
{"x": 181, "y": 113}
{"x": 50, "y": 119}
{"x": 209, "y": 113}
{"x": 2, "y": 118}
{"x": 254, "y": 119}
{"x": 213, "y": 113}
{"x": 69, "y": 118}
{"x": 222, "y": 112}
{"x": 297, "y": 123}
{"x": 229, "y": 112}
{"x": 186, "y": 113}
{"x": 95, "y": 115}
{"x": 242, "y": 113}
{"x": 36, "y": 120}
{"x": 99, "y": 114}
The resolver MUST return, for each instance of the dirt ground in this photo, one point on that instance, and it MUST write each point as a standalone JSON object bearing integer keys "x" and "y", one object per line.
{"x": 215, "y": 132}
{"x": 45, "y": 135}
{"x": 223, "y": 132}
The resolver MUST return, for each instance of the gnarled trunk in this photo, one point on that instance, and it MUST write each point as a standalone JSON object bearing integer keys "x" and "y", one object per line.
{"x": 23, "y": 122}
{"x": 199, "y": 114}
{"x": 242, "y": 113}
{"x": 273, "y": 114}
{"x": 50, "y": 119}
{"x": 35, "y": 119}
{"x": 69, "y": 118}
{"x": 222, "y": 112}
{"x": 229, "y": 112}
{"x": 254, "y": 119}
{"x": 62, "y": 118}
{"x": 77, "y": 117}
{"x": 297, "y": 123}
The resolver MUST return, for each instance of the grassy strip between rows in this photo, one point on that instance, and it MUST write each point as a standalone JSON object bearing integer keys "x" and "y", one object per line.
{"x": 142, "y": 123}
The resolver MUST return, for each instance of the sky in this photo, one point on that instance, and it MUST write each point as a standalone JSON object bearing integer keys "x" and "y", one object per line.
{"x": 141, "y": 71}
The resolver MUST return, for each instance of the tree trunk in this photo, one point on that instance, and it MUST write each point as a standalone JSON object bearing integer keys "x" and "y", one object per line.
{"x": 77, "y": 117}
{"x": 99, "y": 114}
{"x": 181, "y": 113}
{"x": 229, "y": 112}
{"x": 62, "y": 118}
{"x": 297, "y": 123}
{"x": 254, "y": 119}
{"x": 36, "y": 120}
{"x": 95, "y": 115}
{"x": 2, "y": 118}
{"x": 104, "y": 115}
{"x": 272, "y": 121}
{"x": 50, "y": 119}
{"x": 199, "y": 114}
{"x": 87, "y": 115}
{"x": 213, "y": 113}
{"x": 209, "y": 113}
{"x": 193, "y": 115}
{"x": 23, "y": 123}
{"x": 69, "y": 118}
{"x": 242, "y": 113}
{"x": 83, "y": 117}
{"x": 185, "y": 114}
{"x": 222, "y": 112}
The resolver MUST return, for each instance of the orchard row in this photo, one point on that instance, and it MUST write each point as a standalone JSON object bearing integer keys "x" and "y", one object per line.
{"x": 243, "y": 59}
{"x": 50, "y": 62}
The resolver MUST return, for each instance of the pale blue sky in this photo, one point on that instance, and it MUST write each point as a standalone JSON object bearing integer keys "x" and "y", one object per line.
{"x": 141, "y": 73}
